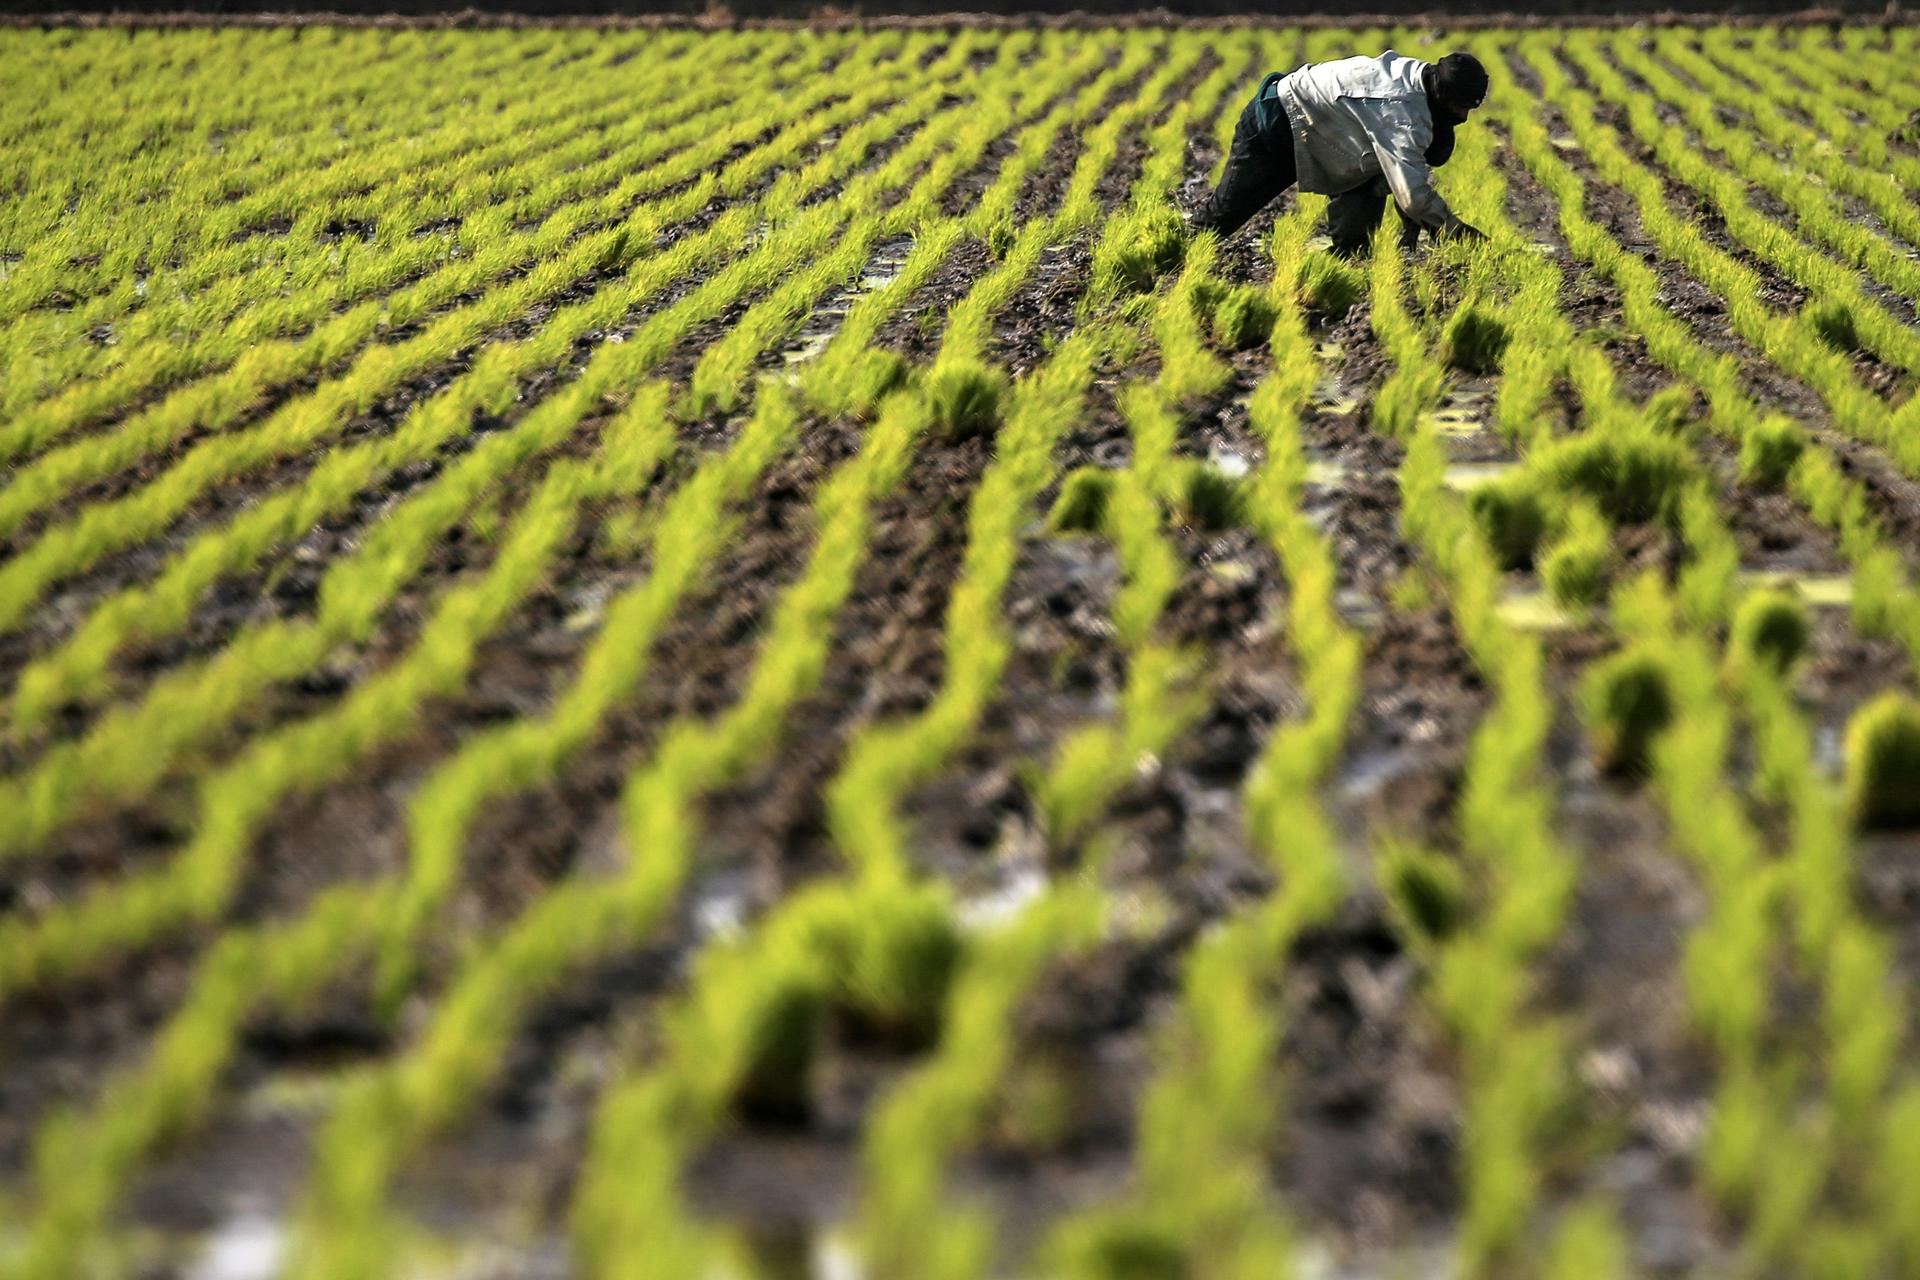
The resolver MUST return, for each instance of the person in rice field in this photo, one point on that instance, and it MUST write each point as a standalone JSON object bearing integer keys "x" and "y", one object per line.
{"x": 1358, "y": 130}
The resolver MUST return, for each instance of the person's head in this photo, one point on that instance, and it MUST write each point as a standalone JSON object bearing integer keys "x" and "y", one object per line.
{"x": 1459, "y": 85}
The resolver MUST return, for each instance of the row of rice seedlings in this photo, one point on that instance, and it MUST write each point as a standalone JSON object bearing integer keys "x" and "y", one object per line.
{"x": 1820, "y": 213}
{"x": 720, "y": 377}
{"x": 1202, "y": 1201}
{"x": 1864, "y": 70}
{"x": 1125, "y": 506}
{"x": 759, "y": 1018}
{"x": 76, "y": 255}
{"x": 1861, "y": 1019}
{"x": 147, "y": 610}
{"x": 1557, "y": 510}
{"x": 851, "y": 374}
{"x": 196, "y": 702}
{"x": 197, "y": 234}
{"x": 1722, "y": 953}
{"x": 1873, "y": 1102}
{"x": 347, "y": 1226}
{"x": 556, "y": 257}
{"x": 77, "y": 91}
{"x": 1795, "y": 342}
{"x": 1513, "y": 1064}
{"x": 659, "y": 805}
{"x": 486, "y": 769}
{"x": 1846, "y": 316}
{"x": 226, "y": 168}
{"x": 905, "y": 1221}
{"x": 908, "y": 1223}
{"x": 744, "y": 1041}
{"x": 185, "y": 329}
{"x": 967, "y": 397}
{"x": 134, "y": 1116}
{"x": 81, "y": 1164}
{"x": 1774, "y": 452}
{"x": 1664, "y": 705}
{"x": 1857, "y": 121}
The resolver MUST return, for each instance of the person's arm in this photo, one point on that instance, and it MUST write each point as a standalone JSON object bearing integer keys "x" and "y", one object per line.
{"x": 1403, "y": 163}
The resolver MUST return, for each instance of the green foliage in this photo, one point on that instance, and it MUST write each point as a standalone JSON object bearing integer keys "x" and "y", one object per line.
{"x": 1770, "y": 629}
{"x": 1474, "y": 340}
{"x": 1329, "y": 287}
{"x": 782, "y": 1045}
{"x": 1629, "y": 703}
{"x": 877, "y": 374}
{"x": 1210, "y": 500}
{"x": 1633, "y": 476}
{"x": 1575, "y": 566}
{"x": 1126, "y": 1248}
{"x": 999, "y": 235}
{"x": 1426, "y": 890}
{"x": 1082, "y": 504}
{"x": 1244, "y": 318}
{"x": 1670, "y": 409}
{"x": 1411, "y": 591}
{"x": 1204, "y": 295}
{"x": 1883, "y": 760}
{"x": 965, "y": 397}
{"x": 1833, "y": 319}
{"x": 889, "y": 960}
{"x": 1770, "y": 451}
{"x": 1151, "y": 243}
{"x": 1513, "y": 515}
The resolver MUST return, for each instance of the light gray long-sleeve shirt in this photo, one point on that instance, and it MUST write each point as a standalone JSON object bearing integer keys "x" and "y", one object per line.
{"x": 1360, "y": 118}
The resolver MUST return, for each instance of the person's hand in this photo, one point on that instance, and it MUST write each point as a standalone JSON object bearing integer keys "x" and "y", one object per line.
{"x": 1466, "y": 231}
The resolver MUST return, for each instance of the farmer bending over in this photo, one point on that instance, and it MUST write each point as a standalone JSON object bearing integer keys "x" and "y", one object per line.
{"x": 1355, "y": 129}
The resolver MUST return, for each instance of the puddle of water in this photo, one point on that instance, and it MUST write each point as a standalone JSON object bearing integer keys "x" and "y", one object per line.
{"x": 1003, "y": 902}
{"x": 885, "y": 267}
{"x": 1329, "y": 352}
{"x": 1451, "y": 422}
{"x": 1357, "y": 607}
{"x": 1532, "y": 611}
{"x": 1463, "y": 477}
{"x": 1368, "y": 774}
{"x": 720, "y": 905}
{"x": 1229, "y": 462}
{"x": 247, "y": 1246}
{"x": 793, "y": 1251}
{"x": 807, "y": 348}
{"x": 1829, "y": 750}
{"x": 1329, "y": 475}
{"x": 1232, "y": 571}
{"x": 1822, "y": 590}
{"x": 1313, "y": 1260}
{"x": 298, "y": 1093}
